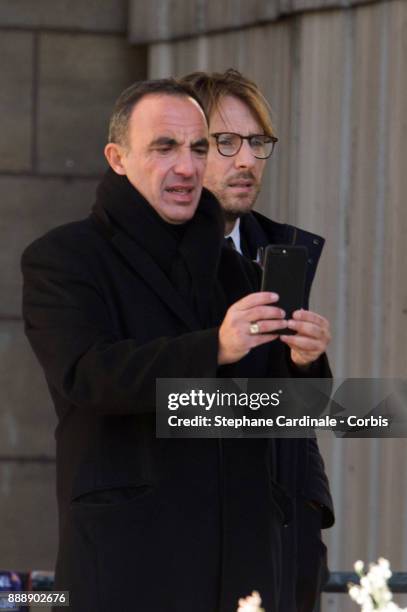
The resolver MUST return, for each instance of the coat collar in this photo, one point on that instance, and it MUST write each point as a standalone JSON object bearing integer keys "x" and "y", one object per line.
{"x": 144, "y": 241}
{"x": 259, "y": 231}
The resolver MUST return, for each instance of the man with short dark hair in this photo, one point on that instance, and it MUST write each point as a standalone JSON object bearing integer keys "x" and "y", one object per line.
{"x": 242, "y": 138}
{"x": 138, "y": 291}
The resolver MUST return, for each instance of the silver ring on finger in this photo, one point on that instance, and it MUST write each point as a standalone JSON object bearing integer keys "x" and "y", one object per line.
{"x": 254, "y": 329}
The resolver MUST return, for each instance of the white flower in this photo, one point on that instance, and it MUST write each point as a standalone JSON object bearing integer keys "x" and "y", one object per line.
{"x": 373, "y": 594}
{"x": 383, "y": 563}
{"x": 365, "y": 582}
{"x": 353, "y": 591}
{"x": 385, "y": 566}
{"x": 359, "y": 594}
{"x": 368, "y": 606}
{"x": 359, "y": 565}
{"x": 250, "y": 604}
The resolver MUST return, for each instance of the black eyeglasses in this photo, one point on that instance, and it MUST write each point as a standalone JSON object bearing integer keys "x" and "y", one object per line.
{"x": 229, "y": 144}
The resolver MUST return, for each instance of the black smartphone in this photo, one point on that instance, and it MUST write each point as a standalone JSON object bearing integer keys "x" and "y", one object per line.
{"x": 284, "y": 271}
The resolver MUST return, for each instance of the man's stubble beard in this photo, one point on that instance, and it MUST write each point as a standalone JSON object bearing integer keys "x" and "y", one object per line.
{"x": 235, "y": 206}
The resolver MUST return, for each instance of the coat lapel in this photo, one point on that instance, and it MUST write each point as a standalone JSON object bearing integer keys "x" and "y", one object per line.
{"x": 150, "y": 247}
{"x": 143, "y": 264}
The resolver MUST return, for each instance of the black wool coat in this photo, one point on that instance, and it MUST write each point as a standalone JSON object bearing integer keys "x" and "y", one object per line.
{"x": 303, "y": 477}
{"x": 148, "y": 524}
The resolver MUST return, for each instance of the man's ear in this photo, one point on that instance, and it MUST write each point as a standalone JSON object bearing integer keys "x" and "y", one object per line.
{"x": 114, "y": 154}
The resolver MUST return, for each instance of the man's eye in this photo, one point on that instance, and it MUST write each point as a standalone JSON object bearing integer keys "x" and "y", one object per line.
{"x": 164, "y": 149}
{"x": 226, "y": 142}
{"x": 201, "y": 151}
{"x": 257, "y": 141}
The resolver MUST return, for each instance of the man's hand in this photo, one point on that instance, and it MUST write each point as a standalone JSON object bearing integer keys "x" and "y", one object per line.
{"x": 312, "y": 337}
{"x": 235, "y": 336}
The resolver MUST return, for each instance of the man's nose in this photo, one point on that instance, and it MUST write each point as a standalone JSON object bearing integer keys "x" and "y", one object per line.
{"x": 245, "y": 157}
{"x": 185, "y": 163}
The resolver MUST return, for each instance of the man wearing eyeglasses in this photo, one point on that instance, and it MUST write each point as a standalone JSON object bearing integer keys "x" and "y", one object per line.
{"x": 241, "y": 140}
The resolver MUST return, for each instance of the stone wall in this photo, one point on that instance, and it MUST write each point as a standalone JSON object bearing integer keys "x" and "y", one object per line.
{"x": 169, "y": 20}
{"x": 62, "y": 64}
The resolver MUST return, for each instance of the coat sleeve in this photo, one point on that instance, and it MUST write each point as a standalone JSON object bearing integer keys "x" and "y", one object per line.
{"x": 316, "y": 487}
{"x": 68, "y": 326}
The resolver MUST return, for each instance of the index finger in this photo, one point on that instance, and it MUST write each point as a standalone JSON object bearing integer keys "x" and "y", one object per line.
{"x": 256, "y": 299}
{"x": 311, "y": 317}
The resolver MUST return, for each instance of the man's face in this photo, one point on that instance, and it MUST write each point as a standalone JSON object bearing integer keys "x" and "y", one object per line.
{"x": 235, "y": 181}
{"x": 166, "y": 154}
